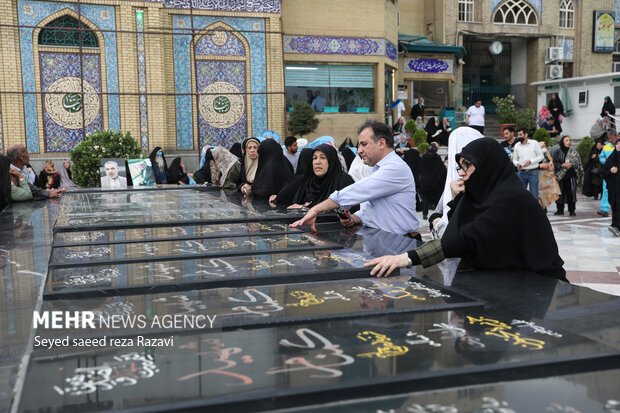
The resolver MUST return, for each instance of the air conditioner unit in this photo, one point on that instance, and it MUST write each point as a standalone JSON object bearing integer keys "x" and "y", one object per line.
{"x": 555, "y": 71}
{"x": 554, "y": 54}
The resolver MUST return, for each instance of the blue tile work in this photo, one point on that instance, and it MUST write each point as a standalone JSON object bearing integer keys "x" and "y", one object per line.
{"x": 256, "y": 6}
{"x": 340, "y": 45}
{"x": 209, "y": 72}
{"x": 62, "y": 128}
{"x": 253, "y": 32}
{"x": 144, "y": 118}
{"x": 229, "y": 45}
{"x": 31, "y": 13}
{"x": 617, "y": 10}
{"x": 537, "y": 4}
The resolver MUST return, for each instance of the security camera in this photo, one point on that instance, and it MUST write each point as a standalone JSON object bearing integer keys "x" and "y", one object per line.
{"x": 461, "y": 61}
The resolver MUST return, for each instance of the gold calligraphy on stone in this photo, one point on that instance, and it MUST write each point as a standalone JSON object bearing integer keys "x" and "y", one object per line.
{"x": 396, "y": 292}
{"x": 499, "y": 329}
{"x": 385, "y": 347}
{"x": 306, "y": 299}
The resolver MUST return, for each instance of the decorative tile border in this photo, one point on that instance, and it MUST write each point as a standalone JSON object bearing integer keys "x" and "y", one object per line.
{"x": 536, "y": 4}
{"x": 31, "y": 13}
{"x": 144, "y": 119}
{"x": 428, "y": 65}
{"x": 253, "y": 31}
{"x": 256, "y": 6}
{"x": 340, "y": 46}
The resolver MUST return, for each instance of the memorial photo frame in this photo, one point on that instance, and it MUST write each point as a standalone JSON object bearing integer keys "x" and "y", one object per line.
{"x": 141, "y": 172}
{"x": 113, "y": 173}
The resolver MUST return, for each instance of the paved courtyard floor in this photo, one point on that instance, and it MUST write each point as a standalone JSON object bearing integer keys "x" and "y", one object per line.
{"x": 591, "y": 253}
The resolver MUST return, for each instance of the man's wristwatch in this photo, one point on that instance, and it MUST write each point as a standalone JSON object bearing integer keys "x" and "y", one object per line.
{"x": 409, "y": 263}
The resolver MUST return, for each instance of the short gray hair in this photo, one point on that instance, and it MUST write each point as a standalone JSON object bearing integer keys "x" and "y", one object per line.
{"x": 14, "y": 153}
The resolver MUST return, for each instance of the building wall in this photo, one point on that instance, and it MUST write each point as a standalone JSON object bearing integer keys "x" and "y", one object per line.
{"x": 136, "y": 79}
{"x": 347, "y": 32}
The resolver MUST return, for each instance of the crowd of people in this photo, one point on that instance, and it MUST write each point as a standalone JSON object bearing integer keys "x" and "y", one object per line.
{"x": 383, "y": 180}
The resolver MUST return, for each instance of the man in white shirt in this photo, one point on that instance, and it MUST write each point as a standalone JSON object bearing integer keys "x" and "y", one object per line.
{"x": 291, "y": 153}
{"x": 526, "y": 157}
{"x": 475, "y": 116}
{"x": 400, "y": 108}
{"x": 386, "y": 198}
{"x": 112, "y": 180}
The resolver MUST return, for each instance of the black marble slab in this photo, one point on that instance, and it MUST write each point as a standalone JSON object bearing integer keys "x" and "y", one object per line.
{"x": 300, "y": 364}
{"x": 120, "y": 236}
{"x": 236, "y": 271}
{"x": 595, "y": 392}
{"x": 155, "y": 251}
{"x": 257, "y": 306}
{"x": 270, "y": 267}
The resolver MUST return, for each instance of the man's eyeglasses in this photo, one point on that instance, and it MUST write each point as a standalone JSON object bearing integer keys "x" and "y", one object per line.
{"x": 463, "y": 165}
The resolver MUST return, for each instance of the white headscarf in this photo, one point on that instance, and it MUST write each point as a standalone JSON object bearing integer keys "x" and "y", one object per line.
{"x": 458, "y": 140}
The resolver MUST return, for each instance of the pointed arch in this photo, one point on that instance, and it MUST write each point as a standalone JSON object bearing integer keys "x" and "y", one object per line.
{"x": 517, "y": 12}
{"x": 61, "y": 32}
{"x": 567, "y": 14}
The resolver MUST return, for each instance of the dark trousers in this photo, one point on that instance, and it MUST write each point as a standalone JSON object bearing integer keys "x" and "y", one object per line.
{"x": 478, "y": 128}
{"x": 567, "y": 196}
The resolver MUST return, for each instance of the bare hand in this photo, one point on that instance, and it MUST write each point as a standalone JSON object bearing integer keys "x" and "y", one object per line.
{"x": 567, "y": 165}
{"x": 383, "y": 266}
{"x": 246, "y": 189}
{"x": 295, "y": 206}
{"x": 593, "y": 156}
{"x": 56, "y": 193}
{"x": 308, "y": 219}
{"x": 526, "y": 164}
{"x": 272, "y": 200}
{"x": 457, "y": 187}
{"x": 15, "y": 173}
{"x": 614, "y": 169}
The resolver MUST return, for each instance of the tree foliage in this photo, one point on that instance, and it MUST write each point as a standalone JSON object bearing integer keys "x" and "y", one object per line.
{"x": 526, "y": 118}
{"x": 584, "y": 148}
{"x": 542, "y": 135}
{"x": 302, "y": 120}
{"x": 419, "y": 136}
{"x": 87, "y": 155}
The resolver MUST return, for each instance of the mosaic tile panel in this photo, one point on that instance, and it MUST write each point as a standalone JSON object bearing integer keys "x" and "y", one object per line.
{"x": 340, "y": 45}
{"x": 428, "y": 65}
{"x": 253, "y": 33}
{"x": 568, "y": 44}
{"x": 64, "y": 114}
{"x": 31, "y": 13}
{"x": 617, "y": 10}
{"x": 222, "y": 118}
{"x": 257, "y": 6}
{"x": 536, "y": 4}
{"x": 220, "y": 43}
{"x": 144, "y": 119}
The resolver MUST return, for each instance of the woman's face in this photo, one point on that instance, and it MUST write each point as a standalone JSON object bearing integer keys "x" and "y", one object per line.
{"x": 567, "y": 141}
{"x": 66, "y": 164}
{"x": 51, "y": 165}
{"x": 252, "y": 150}
{"x": 182, "y": 166}
{"x": 599, "y": 145}
{"x": 320, "y": 164}
{"x": 618, "y": 145}
{"x": 466, "y": 169}
{"x": 401, "y": 120}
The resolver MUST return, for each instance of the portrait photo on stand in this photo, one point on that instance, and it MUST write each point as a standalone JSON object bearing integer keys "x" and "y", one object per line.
{"x": 113, "y": 173}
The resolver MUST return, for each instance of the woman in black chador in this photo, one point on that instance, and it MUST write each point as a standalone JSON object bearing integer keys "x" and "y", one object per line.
{"x": 556, "y": 108}
{"x": 608, "y": 107}
{"x": 491, "y": 208}
{"x": 569, "y": 172}
{"x": 273, "y": 170}
{"x": 610, "y": 173}
{"x": 159, "y": 164}
{"x": 319, "y": 181}
{"x": 176, "y": 172}
{"x": 432, "y": 178}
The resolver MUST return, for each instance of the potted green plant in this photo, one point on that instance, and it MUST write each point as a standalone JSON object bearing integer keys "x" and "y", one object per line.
{"x": 302, "y": 119}
{"x": 419, "y": 136}
{"x": 526, "y": 118}
{"x": 334, "y": 101}
{"x": 362, "y": 98}
{"x": 505, "y": 111}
